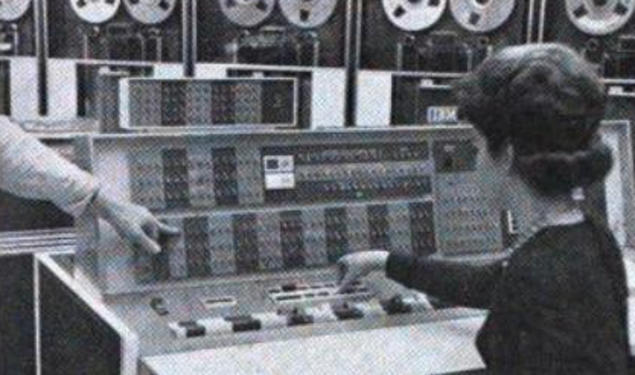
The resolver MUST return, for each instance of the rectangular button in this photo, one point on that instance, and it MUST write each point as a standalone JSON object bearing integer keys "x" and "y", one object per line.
{"x": 371, "y": 309}
{"x": 322, "y": 313}
{"x": 192, "y": 329}
{"x": 216, "y": 326}
{"x": 244, "y": 323}
{"x": 271, "y": 320}
{"x": 347, "y": 312}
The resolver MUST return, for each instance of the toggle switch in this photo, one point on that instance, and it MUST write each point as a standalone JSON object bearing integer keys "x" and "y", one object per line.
{"x": 216, "y": 326}
{"x": 371, "y": 309}
{"x": 322, "y": 313}
{"x": 396, "y": 305}
{"x": 192, "y": 329}
{"x": 346, "y": 311}
{"x": 298, "y": 318}
{"x": 158, "y": 305}
{"x": 242, "y": 323}
{"x": 271, "y": 320}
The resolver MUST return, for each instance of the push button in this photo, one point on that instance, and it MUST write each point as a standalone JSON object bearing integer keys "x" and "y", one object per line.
{"x": 192, "y": 329}
{"x": 158, "y": 305}
{"x": 396, "y": 305}
{"x": 347, "y": 312}
{"x": 299, "y": 318}
{"x": 242, "y": 323}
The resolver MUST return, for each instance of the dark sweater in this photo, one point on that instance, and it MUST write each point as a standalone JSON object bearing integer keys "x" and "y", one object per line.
{"x": 556, "y": 306}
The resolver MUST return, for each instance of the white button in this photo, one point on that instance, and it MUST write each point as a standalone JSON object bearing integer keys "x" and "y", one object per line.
{"x": 419, "y": 302}
{"x": 215, "y": 326}
{"x": 271, "y": 320}
{"x": 322, "y": 313}
{"x": 178, "y": 331}
{"x": 371, "y": 309}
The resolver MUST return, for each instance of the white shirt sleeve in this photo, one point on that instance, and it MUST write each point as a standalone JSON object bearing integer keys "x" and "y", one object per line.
{"x": 31, "y": 170}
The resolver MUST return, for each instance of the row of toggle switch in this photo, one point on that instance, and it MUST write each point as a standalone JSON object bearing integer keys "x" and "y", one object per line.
{"x": 324, "y": 313}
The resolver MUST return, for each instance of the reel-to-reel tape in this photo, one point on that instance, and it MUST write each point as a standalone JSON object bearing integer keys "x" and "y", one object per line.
{"x": 437, "y": 35}
{"x": 131, "y": 30}
{"x": 16, "y": 27}
{"x": 304, "y": 14}
{"x": 602, "y": 30}
{"x": 95, "y": 12}
{"x": 148, "y": 12}
{"x": 278, "y": 32}
{"x": 247, "y": 13}
{"x": 12, "y": 10}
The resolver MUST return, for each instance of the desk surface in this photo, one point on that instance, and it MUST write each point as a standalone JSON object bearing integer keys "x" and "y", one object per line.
{"x": 431, "y": 348}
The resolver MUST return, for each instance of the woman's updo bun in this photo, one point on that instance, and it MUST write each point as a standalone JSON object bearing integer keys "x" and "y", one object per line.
{"x": 547, "y": 103}
{"x": 554, "y": 173}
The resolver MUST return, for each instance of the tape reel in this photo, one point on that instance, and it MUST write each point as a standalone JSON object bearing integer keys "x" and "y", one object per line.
{"x": 592, "y": 18}
{"x": 95, "y": 11}
{"x": 414, "y": 15}
{"x": 247, "y": 13}
{"x": 11, "y": 10}
{"x": 307, "y": 13}
{"x": 481, "y": 16}
{"x": 150, "y": 12}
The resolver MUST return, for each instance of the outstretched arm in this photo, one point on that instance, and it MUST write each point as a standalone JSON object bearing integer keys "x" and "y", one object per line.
{"x": 466, "y": 284}
{"x": 31, "y": 170}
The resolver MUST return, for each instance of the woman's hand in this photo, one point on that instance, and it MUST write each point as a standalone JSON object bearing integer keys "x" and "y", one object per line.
{"x": 355, "y": 266}
{"x": 133, "y": 223}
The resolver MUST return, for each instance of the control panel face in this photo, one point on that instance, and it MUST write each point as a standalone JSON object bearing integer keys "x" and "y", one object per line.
{"x": 253, "y": 261}
{"x": 268, "y": 202}
{"x": 299, "y": 174}
{"x": 287, "y": 239}
{"x": 251, "y": 311}
{"x": 156, "y": 103}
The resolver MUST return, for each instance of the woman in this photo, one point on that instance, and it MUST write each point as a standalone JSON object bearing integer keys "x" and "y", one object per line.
{"x": 557, "y": 305}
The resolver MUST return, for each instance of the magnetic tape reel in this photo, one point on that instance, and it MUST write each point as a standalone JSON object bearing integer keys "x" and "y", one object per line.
{"x": 307, "y": 13}
{"x": 247, "y": 13}
{"x": 150, "y": 12}
{"x": 11, "y": 10}
{"x": 414, "y": 15}
{"x": 599, "y": 17}
{"x": 481, "y": 16}
{"x": 95, "y": 11}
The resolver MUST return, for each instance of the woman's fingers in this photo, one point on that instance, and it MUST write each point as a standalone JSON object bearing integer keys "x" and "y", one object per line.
{"x": 347, "y": 273}
{"x": 342, "y": 270}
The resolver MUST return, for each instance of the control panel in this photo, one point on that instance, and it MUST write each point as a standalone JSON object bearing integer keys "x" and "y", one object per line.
{"x": 265, "y": 202}
{"x": 151, "y": 103}
{"x": 265, "y": 215}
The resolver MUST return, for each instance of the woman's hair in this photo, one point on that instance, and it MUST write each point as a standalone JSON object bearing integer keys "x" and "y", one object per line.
{"x": 547, "y": 103}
